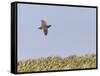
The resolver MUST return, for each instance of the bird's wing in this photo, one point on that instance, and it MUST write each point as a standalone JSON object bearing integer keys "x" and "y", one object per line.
{"x": 45, "y": 31}
{"x": 40, "y": 28}
{"x": 49, "y": 26}
{"x": 43, "y": 23}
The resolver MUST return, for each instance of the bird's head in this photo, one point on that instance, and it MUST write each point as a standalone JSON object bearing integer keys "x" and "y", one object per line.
{"x": 42, "y": 20}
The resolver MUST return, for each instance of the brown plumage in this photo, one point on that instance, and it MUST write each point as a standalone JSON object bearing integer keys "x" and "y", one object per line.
{"x": 44, "y": 27}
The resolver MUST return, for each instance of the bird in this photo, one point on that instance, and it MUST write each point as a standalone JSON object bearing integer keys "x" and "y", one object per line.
{"x": 44, "y": 27}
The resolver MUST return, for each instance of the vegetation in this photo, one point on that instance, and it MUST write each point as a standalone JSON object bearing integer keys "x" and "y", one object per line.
{"x": 57, "y": 63}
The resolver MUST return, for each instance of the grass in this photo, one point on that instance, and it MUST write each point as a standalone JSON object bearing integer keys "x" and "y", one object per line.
{"x": 57, "y": 63}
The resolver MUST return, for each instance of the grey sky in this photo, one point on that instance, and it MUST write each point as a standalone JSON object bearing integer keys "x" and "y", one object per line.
{"x": 73, "y": 31}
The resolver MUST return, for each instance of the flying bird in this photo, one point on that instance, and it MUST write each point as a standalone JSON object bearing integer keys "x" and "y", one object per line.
{"x": 44, "y": 27}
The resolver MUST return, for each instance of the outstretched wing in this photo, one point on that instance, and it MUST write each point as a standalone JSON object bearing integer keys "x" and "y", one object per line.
{"x": 43, "y": 23}
{"x": 40, "y": 28}
{"x": 45, "y": 31}
{"x": 49, "y": 26}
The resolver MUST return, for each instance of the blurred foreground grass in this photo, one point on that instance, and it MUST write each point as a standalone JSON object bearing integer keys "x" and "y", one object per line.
{"x": 57, "y": 63}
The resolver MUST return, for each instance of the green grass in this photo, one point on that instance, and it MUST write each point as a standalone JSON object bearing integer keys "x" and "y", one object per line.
{"x": 57, "y": 63}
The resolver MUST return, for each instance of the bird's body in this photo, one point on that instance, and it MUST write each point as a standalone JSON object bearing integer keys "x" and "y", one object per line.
{"x": 44, "y": 27}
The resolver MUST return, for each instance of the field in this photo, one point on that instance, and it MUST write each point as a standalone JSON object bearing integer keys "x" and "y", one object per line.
{"x": 57, "y": 63}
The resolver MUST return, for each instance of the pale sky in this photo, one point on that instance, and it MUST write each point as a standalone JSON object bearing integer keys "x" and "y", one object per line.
{"x": 73, "y": 31}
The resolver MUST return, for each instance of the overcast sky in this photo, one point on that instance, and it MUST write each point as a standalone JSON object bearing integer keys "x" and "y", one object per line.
{"x": 73, "y": 31}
